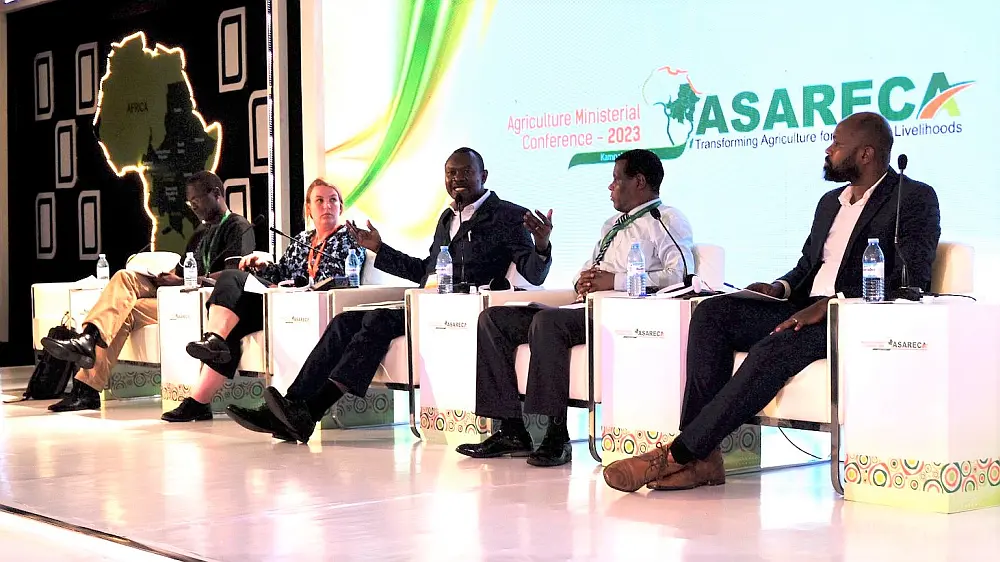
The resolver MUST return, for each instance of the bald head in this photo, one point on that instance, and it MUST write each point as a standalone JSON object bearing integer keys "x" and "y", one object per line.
{"x": 861, "y": 148}
{"x": 873, "y": 130}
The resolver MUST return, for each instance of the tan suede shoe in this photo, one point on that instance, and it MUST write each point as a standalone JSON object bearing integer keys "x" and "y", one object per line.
{"x": 708, "y": 472}
{"x": 628, "y": 475}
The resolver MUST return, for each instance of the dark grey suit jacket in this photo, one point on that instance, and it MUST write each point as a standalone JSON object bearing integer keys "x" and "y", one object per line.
{"x": 919, "y": 232}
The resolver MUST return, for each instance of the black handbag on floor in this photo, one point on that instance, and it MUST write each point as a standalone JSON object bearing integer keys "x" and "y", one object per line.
{"x": 51, "y": 375}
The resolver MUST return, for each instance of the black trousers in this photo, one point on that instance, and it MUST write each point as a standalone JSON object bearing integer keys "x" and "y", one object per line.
{"x": 551, "y": 333}
{"x": 248, "y": 307}
{"x": 716, "y": 401}
{"x": 349, "y": 352}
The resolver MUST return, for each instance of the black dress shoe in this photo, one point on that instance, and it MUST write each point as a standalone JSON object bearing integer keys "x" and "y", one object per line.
{"x": 80, "y": 350}
{"x": 500, "y": 444}
{"x": 82, "y": 397}
{"x": 281, "y": 434}
{"x": 292, "y": 414}
{"x": 260, "y": 420}
{"x": 189, "y": 410}
{"x": 552, "y": 452}
{"x": 210, "y": 349}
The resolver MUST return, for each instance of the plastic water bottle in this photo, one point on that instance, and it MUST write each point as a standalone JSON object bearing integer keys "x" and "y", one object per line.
{"x": 636, "y": 280}
{"x": 103, "y": 269}
{"x": 353, "y": 268}
{"x": 873, "y": 272}
{"x": 190, "y": 272}
{"x": 444, "y": 268}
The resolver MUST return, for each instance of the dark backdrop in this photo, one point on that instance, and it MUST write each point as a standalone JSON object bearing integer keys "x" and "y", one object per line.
{"x": 61, "y": 27}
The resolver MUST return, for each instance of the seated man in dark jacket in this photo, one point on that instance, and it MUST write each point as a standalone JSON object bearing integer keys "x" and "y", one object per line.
{"x": 484, "y": 234}
{"x": 783, "y": 338}
{"x": 128, "y": 302}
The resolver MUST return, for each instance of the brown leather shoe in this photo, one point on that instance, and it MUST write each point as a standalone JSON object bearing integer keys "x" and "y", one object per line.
{"x": 628, "y": 475}
{"x": 708, "y": 472}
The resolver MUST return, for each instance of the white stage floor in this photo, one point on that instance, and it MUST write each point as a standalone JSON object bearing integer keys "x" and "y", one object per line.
{"x": 211, "y": 490}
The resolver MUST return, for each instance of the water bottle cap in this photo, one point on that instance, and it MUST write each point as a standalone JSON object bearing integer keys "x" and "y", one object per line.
{"x": 873, "y": 240}
{"x": 635, "y": 245}
{"x": 190, "y": 254}
{"x": 101, "y": 255}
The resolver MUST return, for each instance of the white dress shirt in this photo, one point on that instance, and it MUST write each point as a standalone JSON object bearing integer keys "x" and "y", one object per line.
{"x": 663, "y": 261}
{"x": 836, "y": 241}
{"x": 467, "y": 213}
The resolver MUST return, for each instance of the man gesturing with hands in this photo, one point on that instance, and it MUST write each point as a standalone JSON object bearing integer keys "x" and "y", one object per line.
{"x": 485, "y": 233}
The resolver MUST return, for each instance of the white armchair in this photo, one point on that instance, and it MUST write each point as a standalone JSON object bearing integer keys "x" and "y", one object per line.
{"x": 52, "y": 302}
{"x": 710, "y": 264}
{"x": 584, "y": 382}
{"x": 296, "y": 320}
{"x": 585, "y": 379}
{"x": 293, "y": 323}
{"x": 811, "y": 399}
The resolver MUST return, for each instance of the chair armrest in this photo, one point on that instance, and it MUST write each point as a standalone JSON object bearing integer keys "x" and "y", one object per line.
{"x": 413, "y": 291}
{"x": 365, "y": 294}
{"x": 412, "y": 300}
{"x": 49, "y": 306}
{"x": 550, "y": 297}
{"x": 603, "y": 294}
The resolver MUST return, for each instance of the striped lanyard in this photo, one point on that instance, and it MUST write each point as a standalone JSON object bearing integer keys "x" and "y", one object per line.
{"x": 313, "y": 265}
{"x": 206, "y": 258}
{"x": 620, "y": 225}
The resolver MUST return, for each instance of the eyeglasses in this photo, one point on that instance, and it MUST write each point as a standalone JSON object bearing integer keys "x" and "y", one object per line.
{"x": 200, "y": 199}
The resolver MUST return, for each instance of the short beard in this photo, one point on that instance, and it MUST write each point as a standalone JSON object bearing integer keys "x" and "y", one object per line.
{"x": 843, "y": 173}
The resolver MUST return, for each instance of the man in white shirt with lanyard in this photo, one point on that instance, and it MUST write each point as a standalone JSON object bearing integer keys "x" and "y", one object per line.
{"x": 783, "y": 337}
{"x": 551, "y": 333}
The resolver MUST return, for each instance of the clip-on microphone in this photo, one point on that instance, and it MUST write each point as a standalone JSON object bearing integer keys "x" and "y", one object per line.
{"x": 905, "y": 292}
{"x": 690, "y": 280}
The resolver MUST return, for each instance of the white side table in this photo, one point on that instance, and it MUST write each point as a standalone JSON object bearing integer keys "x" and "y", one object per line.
{"x": 444, "y": 360}
{"x": 180, "y": 318}
{"x": 642, "y": 357}
{"x": 922, "y": 404}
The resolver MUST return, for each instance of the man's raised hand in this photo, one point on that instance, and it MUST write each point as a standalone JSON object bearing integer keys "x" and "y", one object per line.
{"x": 368, "y": 239}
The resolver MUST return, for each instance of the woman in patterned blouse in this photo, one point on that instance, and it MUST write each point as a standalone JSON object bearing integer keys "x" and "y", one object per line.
{"x": 234, "y": 313}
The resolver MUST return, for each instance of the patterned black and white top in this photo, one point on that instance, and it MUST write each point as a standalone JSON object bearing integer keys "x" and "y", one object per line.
{"x": 294, "y": 262}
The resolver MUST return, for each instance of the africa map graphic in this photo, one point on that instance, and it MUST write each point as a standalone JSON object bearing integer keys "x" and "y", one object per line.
{"x": 147, "y": 122}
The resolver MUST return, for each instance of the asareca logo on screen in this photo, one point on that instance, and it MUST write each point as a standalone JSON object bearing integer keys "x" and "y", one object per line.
{"x": 893, "y": 100}
{"x": 693, "y": 119}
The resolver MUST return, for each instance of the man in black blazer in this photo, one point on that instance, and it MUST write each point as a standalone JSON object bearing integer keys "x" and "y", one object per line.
{"x": 782, "y": 338}
{"x": 484, "y": 235}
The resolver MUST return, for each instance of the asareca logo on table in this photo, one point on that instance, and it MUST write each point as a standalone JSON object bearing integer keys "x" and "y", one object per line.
{"x": 639, "y": 333}
{"x": 693, "y": 119}
{"x": 451, "y": 325}
{"x": 892, "y": 345}
{"x": 911, "y": 345}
